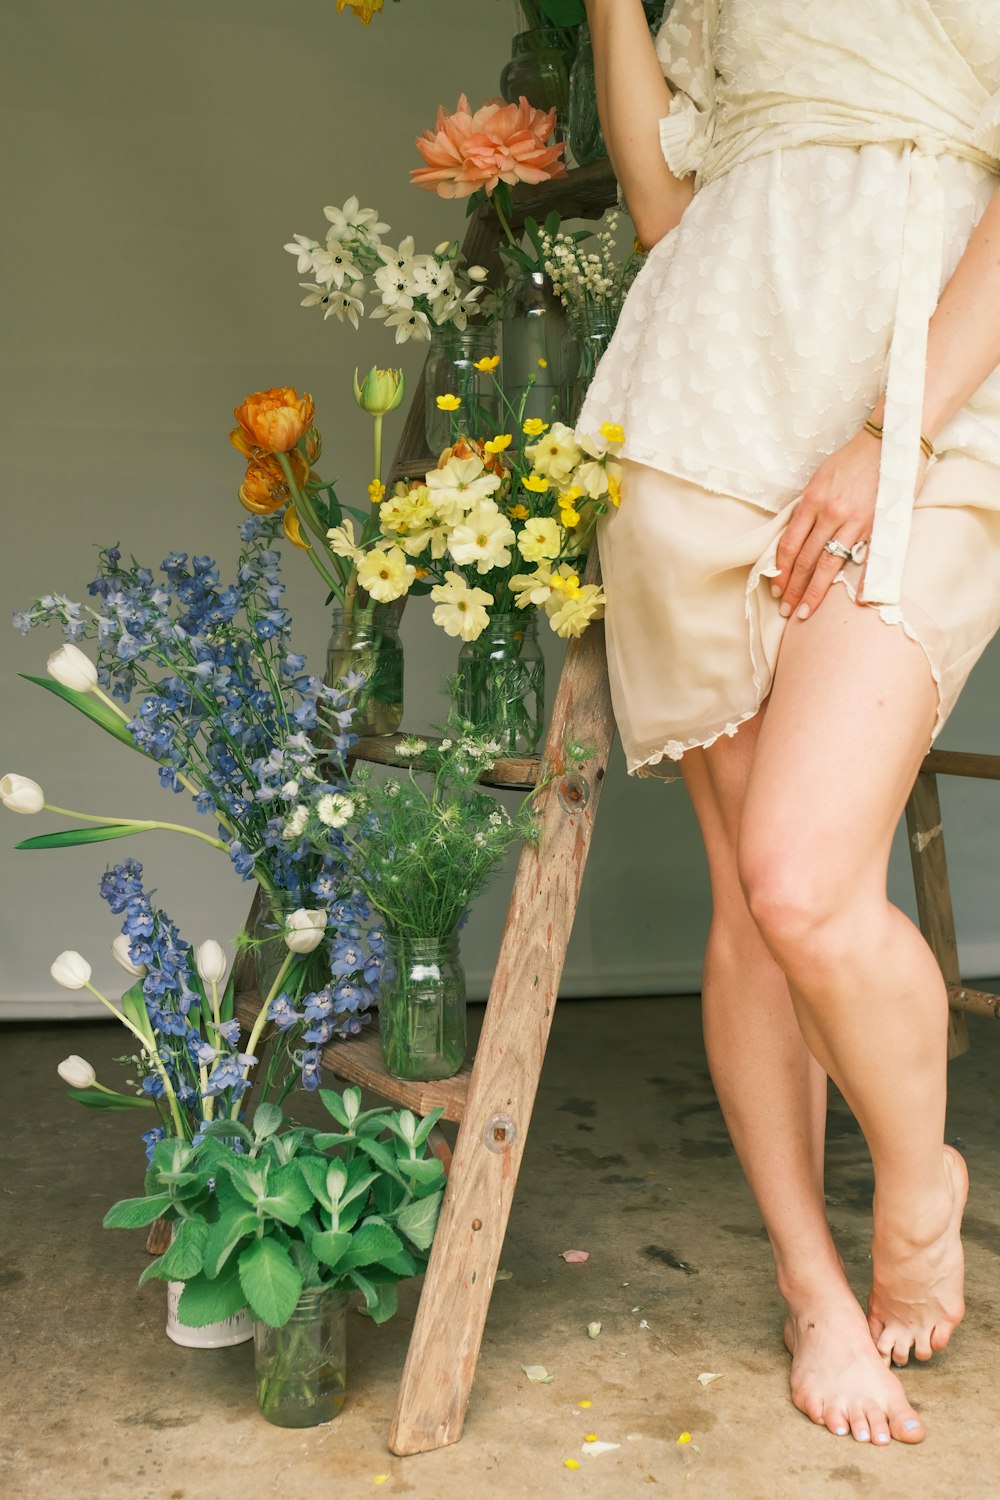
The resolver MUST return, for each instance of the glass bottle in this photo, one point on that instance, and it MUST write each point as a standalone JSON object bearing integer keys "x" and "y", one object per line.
{"x": 500, "y": 682}
{"x": 367, "y": 641}
{"x": 451, "y": 371}
{"x": 301, "y": 1367}
{"x": 421, "y": 1007}
{"x": 539, "y": 69}
{"x": 534, "y": 342}
{"x": 590, "y": 331}
{"x": 586, "y": 139}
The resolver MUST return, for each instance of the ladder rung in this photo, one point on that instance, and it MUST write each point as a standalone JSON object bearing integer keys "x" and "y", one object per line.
{"x": 514, "y": 771}
{"x": 359, "y": 1060}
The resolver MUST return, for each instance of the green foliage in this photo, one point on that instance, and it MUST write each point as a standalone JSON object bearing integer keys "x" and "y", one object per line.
{"x": 260, "y": 1214}
{"x": 65, "y": 838}
{"x": 94, "y": 709}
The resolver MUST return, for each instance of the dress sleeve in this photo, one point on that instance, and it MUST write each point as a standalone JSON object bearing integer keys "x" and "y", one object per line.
{"x": 986, "y": 131}
{"x": 684, "y": 48}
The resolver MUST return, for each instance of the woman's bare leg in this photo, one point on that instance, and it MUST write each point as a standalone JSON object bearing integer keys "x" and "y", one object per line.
{"x": 847, "y": 725}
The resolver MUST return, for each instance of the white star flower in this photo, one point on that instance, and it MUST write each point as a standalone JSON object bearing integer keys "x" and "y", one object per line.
{"x": 396, "y": 287}
{"x": 401, "y": 259}
{"x": 333, "y": 265}
{"x": 304, "y": 250}
{"x": 354, "y": 222}
{"x": 409, "y": 323}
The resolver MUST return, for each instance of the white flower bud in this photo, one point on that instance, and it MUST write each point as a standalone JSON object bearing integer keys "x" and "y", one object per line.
{"x": 77, "y": 1072}
{"x": 120, "y": 948}
{"x": 443, "y": 248}
{"x": 72, "y": 668}
{"x": 477, "y": 273}
{"x": 304, "y": 930}
{"x": 71, "y": 970}
{"x": 21, "y": 794}
{"x": 211, "y": 962}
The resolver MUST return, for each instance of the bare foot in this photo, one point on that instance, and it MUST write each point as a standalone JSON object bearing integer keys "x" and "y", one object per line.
{"x": 838, "y": 1379}
{"x": 916, "y": 1297}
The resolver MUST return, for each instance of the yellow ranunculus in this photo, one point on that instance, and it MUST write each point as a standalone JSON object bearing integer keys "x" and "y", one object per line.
{"x": 293, "y": 528}
{"x": 614, "y": 489}
{"x": 487, "y": 364}
{"x": 556, "y": 454}
{"x": 572, "y": 616}
{"x": 568, "y": 518}
{"x": 340, "y": 540}
{"x": 460, "y": 609}
{"x": 565, "y": 581}
{"x": 519, "y": 512}
{"x": 272, "y": 421}
{"x": 612, "y": 432}
{"x": 498, "y": 444}
{"x": 536, "y": 483}
{"x": 376, "y": 492}
{"x": 385, "y": 574}
{"x": 539, "y": 540}
{"x": 534, "y": 427}
{"x": 381, "y": 391}
{"x": 532, "y": 588}
{"x": 447, "y": 403}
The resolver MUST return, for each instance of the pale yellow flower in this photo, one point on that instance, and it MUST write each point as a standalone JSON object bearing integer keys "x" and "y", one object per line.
{"x": 340, "y": 540}
{"x": 557, "y": 454}
{"x": 484, "y": 538}
{"x": 498, "y": 444}
{"x": 435, "y": 537}
{"x": 448, "y": 403}
{"x": 539, "y": 539}
{"x": 406, "y": 509}
{"x": 487, "y": 364}
{"x": 460, "y": 610}
{"x": 536, "y": 483}
{"x": 534, "y": 427}
{"x": 385, "y": 574}
{"x": 565, "y": 581}
{"x": 532, "y": 588}
{"x": 459, "y": 485}
{"x": 572, "y": 616}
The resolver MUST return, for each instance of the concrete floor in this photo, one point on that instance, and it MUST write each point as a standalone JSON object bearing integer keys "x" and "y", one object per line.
{"x": 628, "y": 1158}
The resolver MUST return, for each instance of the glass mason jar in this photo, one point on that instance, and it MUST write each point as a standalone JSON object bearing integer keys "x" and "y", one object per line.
{"x": 500, "y": 682}
{"x": 539, "y": 69}
{"x": 451, "y": 371}
{"x": 590, "y": 331}
{"x": 270, "y": 949}
{"x": 421, "y": 1007}
{"x": 534, "y": 330}
{"x": 367, "y": 641}
{"x": 586, "y": 139}
{"x": 302, "y": 1367}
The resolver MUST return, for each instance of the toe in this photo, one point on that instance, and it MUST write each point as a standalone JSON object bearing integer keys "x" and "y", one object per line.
{"x": 859, "y": 1425}
{"x": 901, "y": 1346}
{"x": 836, "y": 1419}
{"x": 885, "y": 1344}
{"x": 923, "y": 1347}
{"x": 878, "y": 1426}
{"x": 905, "y": 1426}
{"x": 940, "y": 1336}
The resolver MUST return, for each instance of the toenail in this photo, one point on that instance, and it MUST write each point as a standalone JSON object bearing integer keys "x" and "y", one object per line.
{"x": 841, "y": 1431}
{"x": 883, "y": 1437}
{"x": 909, "y": 1425}
{"x": 863, "y": 1435}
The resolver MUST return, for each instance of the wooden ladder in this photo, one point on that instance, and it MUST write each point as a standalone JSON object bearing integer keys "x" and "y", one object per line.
{"x": 492, "y": 1097}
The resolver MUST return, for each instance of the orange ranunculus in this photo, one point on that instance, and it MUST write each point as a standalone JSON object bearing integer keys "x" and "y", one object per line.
{"x": 313, "y": 444}
{"x": 272, "y": 421}
{"x": 498, "y": 143}
{"x": 293, "y": 528}
{"x": 265, "y": 488}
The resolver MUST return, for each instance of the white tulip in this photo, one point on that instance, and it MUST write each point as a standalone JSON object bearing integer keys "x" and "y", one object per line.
{"x": 304, "y": 930}
{"x": 21, "y": 794}
{"x": 71, "y": 970}
{"x": 72, "y": 668}
{"x": 211, "y": 962}
{"x": 77, "y": 1072}
{"x": 120, "y": 948}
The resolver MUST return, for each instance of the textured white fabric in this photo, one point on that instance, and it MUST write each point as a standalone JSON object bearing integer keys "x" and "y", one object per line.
{"x": 843, "y": 156}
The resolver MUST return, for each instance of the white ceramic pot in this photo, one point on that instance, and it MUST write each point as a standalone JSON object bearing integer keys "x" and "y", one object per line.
{"x": 235, "y": 1330}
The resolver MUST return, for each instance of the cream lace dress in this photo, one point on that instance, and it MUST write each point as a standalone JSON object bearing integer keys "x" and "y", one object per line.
{"x": 843, "y": 154}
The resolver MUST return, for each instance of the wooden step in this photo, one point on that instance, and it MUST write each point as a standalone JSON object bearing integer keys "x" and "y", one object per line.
{"x": 359, "y": 1060}
{"x": 510, "y": 771}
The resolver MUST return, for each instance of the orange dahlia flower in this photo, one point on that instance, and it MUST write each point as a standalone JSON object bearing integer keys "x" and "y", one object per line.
{"x": 499, "y": 143}
{"x": 272, "y": 421}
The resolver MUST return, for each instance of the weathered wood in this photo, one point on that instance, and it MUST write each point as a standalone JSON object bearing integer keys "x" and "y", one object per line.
{"x": 974, "y": 1002}
{"x": 962, "y": 763}
{"x": 930, "y": 882}
{"x": 513, "y": 771}
{"x": 444, "y": 1348}
{"x": 359, "y": 1060}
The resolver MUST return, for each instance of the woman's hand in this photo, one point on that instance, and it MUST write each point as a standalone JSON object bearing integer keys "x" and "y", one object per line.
{"x": 838, "y": 504}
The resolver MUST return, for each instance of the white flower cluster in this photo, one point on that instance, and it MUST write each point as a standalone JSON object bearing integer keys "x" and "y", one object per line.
{"x": 585, "y": 278}
{"x": 414, "y": 292}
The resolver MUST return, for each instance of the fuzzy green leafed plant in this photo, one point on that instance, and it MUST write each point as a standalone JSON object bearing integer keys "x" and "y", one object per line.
{"x": 265, "y": 1213}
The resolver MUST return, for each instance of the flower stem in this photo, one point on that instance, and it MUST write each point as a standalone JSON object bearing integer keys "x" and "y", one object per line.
{"x": 261, "y": 1022}
{"x": 307, "y": 512}
{"x": 153, "y": 1056}
{"x": 143, "y": 824}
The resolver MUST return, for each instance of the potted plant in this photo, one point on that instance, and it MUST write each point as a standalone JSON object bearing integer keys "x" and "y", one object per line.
{"x": 285, "y": 1221}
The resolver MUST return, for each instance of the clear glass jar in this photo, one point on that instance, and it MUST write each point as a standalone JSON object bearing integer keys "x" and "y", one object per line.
{"x": 367, "y": 641}
{"x": 451, "y": 371}
{"x": 539, "y": 69}
{"x": 302, "y": 1367}
{"x": 586, "y": 139}
{"x": 534, "y": 345}
{"x": 500, "y": 682}
{"x": 421, "y": 1007}
{"x": 589, "y": 334}
{"x": 270, "y": 949}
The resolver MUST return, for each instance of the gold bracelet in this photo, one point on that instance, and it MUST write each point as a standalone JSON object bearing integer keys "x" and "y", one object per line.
{"x": 876, "y": 431}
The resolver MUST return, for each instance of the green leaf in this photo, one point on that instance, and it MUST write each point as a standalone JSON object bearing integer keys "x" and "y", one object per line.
{"x": 330, "y": 1246}
{"x": 382, "y": 1155}
{"x": 227, "y": 1000}
{"x": 359, "y": 1180}
{"x": 154, "y": 1272}
{"x": 426, "y": 1125}
{"x": 66, "y": 837}
{"x": 136, "y": 1213}
{"x": 418, "y": 1220}
{"x": 422, "y": 1173}
{"x": 380, "y": 1298}
{"x": 94, "y": 709}
{"x": 270, "y": 1282}
{"x": 404, "y": 1264}
{"x": 266, "y": 1120}
{"x": 313, "y": 1169}
{"x": 228, "y": 1130}
{"x": 133, "y": 1004}
{"x": 204, "y": 1301}
{"x": 95, "y": 1099}
{"x": 334, "y": 1105}
{"x": 248, "y": 1178}
{"x": 371, "y": 1244}
{"x": 223, "y": 1237}
{"x": 288, "y": 1195}
{"x": 186, "y": 1254}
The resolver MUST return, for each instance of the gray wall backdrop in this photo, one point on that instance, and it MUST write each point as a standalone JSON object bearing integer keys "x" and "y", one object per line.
{"x": 158, "y": 157}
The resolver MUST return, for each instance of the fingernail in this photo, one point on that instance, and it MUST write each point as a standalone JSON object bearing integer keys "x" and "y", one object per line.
{"x": 803, "y": 612}
{"x": 910, "y": 1423}
{"x": 785, "y": 610}
{"x": 775, "y": 591}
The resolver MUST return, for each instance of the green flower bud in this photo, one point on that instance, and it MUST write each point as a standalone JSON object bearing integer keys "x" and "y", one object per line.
{"x": 380, "y": 392}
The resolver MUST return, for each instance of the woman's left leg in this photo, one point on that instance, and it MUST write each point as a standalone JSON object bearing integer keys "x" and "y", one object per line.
{"x": 848, "y": 723}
